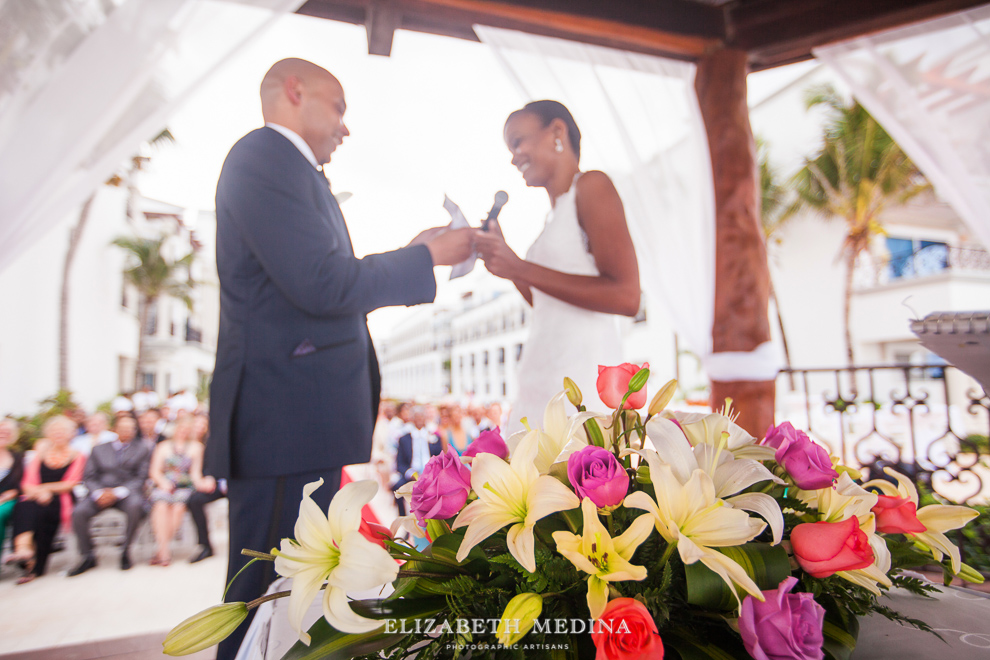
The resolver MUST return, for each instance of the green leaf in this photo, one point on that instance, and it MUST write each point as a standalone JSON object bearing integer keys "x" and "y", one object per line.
{"x": 840, "y": 630}
{"x": 711, "y": 647}
{"x": 330, "y": 644}
{"x": 437, "y": 528}
{"x": 594, "y": 433}
{"x": 766, "y": 564}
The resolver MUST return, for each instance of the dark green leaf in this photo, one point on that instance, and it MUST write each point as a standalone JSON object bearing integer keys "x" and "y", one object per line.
{"x": 766, "y": 564}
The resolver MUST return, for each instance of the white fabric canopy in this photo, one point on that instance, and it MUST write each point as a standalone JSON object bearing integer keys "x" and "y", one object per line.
{"x": 84, "y": 82}
{"x": 929, "y": 86}
{"x": 640, "y": 123}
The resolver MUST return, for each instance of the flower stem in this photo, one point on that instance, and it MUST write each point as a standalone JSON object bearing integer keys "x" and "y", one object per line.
{"x": 667, "y": 554}
{"x": 258, "y": 555}
{"x": 267, "y": 597}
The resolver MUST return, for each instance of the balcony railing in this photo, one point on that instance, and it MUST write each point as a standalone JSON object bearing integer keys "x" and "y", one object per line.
{"x": 927, "y": 261}
{"x": 927, "y": 421}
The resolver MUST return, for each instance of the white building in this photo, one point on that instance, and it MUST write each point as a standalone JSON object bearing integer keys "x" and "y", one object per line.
{"x": 103, "y": 323}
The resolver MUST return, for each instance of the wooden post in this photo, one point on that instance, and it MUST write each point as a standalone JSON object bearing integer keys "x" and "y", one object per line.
{"x": 742, "y": 278}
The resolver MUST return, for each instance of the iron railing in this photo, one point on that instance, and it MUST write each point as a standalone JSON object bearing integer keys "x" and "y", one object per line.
{"x": 929, "y": 260}
{"x": 930, "y": 422}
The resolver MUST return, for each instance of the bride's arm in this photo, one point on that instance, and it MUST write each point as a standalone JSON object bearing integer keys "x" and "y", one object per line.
{"x": 615, "y": 290}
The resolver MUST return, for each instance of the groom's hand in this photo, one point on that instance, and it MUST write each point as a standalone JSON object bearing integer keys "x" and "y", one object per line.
{"x": 499, "y": 258}
{"x": 426, "y": 235}
{"x": 451, "y": 247}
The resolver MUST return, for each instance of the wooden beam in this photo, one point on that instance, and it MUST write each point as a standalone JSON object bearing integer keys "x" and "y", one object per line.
{"x": 455, "y": 18}
{"x": 742, "y": 276}
{"x": 778, "y": 32}
{"x": 381, "y": 21}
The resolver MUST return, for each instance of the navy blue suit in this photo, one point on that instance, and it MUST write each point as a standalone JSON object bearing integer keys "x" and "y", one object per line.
{"x": 296, "y": 386}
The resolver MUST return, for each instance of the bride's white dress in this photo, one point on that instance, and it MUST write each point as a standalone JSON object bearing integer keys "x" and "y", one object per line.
{"x": 564, "y": 340}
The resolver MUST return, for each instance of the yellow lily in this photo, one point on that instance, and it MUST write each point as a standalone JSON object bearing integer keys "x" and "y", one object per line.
{"x": 513, "y": 493}
{"x": 330, "y": 549}
{"x": 687, "y": 512}
{"x": 604, "y": 559}
{"x": 936, "y": 518}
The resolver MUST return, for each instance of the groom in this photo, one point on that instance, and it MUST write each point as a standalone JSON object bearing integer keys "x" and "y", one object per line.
{"x": 296, "y": 385}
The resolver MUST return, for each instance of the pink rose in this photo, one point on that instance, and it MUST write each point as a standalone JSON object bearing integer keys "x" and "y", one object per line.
{"x": 633, "y": 635}
{"x": 488, "y": 442}
{"x": 785, "y": 627}
{"x": 595, "y": 473}
{"x": 807, "y": 463}
{"x": 613, "y": 383}
{"x": 825, "y": 548}
{"x": 442, "y": 489}
{"x": 897, "y": 515}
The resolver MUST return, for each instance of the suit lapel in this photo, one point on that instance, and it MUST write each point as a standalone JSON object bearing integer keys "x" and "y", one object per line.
{"x": 335, "y": 217}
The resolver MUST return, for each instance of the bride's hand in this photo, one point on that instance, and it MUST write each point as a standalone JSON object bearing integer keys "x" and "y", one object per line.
{"x": 499, "y": 258}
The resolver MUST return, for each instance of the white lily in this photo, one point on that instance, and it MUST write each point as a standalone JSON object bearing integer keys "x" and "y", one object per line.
{"x": 936, "y": 518}
{"x": 687, "y": 512}
{"x": 560, "y": 436}
{"x": 513, "y": 493}
{"x": 330, "y": 549}
{"x": 729, "y": 473}
{"x": 604, "y": 559}
{"x": 707, "y": 427}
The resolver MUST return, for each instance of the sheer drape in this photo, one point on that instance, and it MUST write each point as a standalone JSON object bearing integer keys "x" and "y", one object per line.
{"x": 929, "y": 86}
{"x": 84, "y": 82}
{"x": 640, "y": 123}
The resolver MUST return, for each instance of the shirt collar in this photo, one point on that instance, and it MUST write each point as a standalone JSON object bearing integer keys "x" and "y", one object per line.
{"x": 296, "y": 140}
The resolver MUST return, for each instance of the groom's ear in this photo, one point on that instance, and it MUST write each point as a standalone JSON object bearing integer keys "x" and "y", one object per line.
{"x": 292, "y": 88}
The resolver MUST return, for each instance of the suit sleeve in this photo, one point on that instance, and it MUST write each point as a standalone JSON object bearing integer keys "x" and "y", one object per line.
{"x": 273, "y": 209}
{"x": 89, "y": 473}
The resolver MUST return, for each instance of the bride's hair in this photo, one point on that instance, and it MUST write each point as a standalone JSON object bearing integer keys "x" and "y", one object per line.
{"x": 547, "y": 111}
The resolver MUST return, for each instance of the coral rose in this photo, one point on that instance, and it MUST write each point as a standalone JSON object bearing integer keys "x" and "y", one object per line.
{"x": 633, "y": 633}
{"x": 613, "y": 383}
{"x": 825, "y": 548}
{"x": 897, "y": 515}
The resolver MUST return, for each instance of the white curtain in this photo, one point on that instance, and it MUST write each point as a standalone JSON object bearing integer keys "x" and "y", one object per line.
{"x": 929, "y": 86}
{"x": 84, "y": 82}
{"x": 640, "y": 123}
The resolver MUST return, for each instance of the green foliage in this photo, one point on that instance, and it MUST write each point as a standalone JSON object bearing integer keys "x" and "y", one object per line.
{"x": 154, "y": 274}
{"x": 60, "y": 403}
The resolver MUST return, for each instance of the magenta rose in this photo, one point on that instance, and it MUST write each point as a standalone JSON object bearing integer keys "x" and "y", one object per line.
{"x": 785, "y": 627}
{"x": 807, "y": 463}
{"x": 442, "y": 489}
{"x": 595, "y": 473}
{"x": 488, "y": 442}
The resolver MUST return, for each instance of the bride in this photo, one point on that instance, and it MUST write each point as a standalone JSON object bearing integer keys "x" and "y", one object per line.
{"x": 579, "y": 273}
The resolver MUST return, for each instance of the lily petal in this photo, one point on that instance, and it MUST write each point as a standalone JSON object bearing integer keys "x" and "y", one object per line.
{"x": 597, "y": 596}
{"x": 363, "y": 564}
{"x": 764, "y": 506}
{"x": 344, "y": 513}
{"x": 339, "y": 614}
{"x": 305, "y": 585}
{"x": 941, "y": 518}
{"x": 546, "y": 496}
{"x": 521, "y": 545}
{"x": 484, "y": 523}
{"x": 627, "y": 542}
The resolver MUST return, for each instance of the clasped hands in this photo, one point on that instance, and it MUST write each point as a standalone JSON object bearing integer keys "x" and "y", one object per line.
{"x": 452, "y": 246}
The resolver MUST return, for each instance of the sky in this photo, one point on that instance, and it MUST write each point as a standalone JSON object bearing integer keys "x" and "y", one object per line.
{"x": 425, "y": 122}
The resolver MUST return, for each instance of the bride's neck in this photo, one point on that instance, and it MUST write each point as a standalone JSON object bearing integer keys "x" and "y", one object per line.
{"x": 561, "y": 182}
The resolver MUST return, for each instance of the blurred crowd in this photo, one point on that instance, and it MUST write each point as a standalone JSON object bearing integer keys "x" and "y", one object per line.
{"x": 145, "y": 460}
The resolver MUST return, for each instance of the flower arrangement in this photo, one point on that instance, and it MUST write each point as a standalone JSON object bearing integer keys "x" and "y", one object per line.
{"x": 632, "y": 534}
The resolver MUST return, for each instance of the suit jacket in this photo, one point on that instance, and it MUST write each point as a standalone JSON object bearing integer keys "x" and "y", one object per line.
{"x": 404, "y": 457}
{"x": 296, "y": 384}
{"x": 106, "y": 469}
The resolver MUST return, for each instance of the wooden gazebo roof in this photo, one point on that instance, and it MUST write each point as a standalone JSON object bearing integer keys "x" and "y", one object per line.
{"x": 772, "y": 32}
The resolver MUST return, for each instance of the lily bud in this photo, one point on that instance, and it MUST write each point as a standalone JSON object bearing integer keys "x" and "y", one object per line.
{"x": 203, "y": 630}
{"x": 519, "y": 618}
{"x": 970, "y": 574}
{"x": 663, "y": 397}
{"x": 573, "y": 392}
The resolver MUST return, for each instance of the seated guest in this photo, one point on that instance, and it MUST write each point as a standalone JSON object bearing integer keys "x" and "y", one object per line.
{"x": 176, "y": 465}
{"x": 208, "y": 490}
{"x": 114, "y": 477}
{"x": 11, "y": 473}
{"x": 97, "y": 433}
{"x": 122, "y": 404}
{"x": 145, "y": 398}
{"x": 493, "y": 416}
{"x": 451, "y": 431}
{"x": 46, "y": 499}
{"x": 148, "y": 432}
{"x": 414, "y": 450}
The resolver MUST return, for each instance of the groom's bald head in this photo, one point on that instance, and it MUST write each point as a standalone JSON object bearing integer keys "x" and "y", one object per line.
{"x": 306, "y": 99}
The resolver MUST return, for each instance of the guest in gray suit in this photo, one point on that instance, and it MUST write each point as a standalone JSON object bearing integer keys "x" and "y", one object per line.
{"x": 114, "y": 476}
{"x": 296, "y": 387}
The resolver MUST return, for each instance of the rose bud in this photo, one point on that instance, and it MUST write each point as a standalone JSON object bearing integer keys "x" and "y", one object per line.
{"x": 897, "y": 515}
{"x": 633, "y": 635}
{"x": 825, "y": 548}
{"x": 613, "y": 383}
{"x": 442, "y": 489}
{"x": 595, "y": 473}
{"x": 807, "y": 463}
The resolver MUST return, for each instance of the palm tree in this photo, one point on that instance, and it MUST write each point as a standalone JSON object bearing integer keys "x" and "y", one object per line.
{"x": 858, "y": 172}
{"x": 128, "y": 179}
{"x": 154, "y": 275}
{"x": 773, "y": 204}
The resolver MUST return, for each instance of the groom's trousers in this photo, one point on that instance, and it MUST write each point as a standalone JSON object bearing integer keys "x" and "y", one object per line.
{"x": 262, "y": 512}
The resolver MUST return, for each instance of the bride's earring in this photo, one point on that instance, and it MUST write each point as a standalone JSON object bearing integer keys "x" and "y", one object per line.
{"x": 558, "y": 146}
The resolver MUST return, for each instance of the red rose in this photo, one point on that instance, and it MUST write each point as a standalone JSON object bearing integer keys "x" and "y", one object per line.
{"x": 626, "y": 631}
{"x": 897, "y": 515}
{"x": 375, "y": 533}
{"x": 613, "y": 383}
{"x": 824, "y": 548}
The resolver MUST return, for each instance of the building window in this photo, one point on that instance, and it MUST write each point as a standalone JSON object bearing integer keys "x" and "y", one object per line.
{"x": 485, "y": 358}
{"x": 151, "y": 326}
{"x": 472, "y": 360}
{"x": 519, "y": 349}
{"x": 911, "y": 257}
{"x": 503, "y": 388}
{"x": 501, "y": 355}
